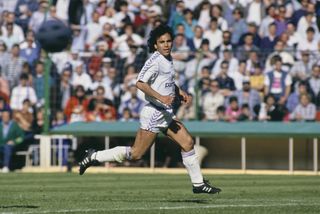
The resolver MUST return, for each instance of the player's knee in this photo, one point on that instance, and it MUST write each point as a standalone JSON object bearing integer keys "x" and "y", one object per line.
{"x": 188, "y": 145}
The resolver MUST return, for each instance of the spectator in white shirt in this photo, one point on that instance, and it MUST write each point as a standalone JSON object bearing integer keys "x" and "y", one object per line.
{"x": 213, "y": 34}
{"x": 17, "y": 31}
{"x": 211, "y": 101}
{"x": 311, "y": 43}
{"x": 21, "y": 92}
{"x": 94, "y": 30}
{"x": 80, "y": 77}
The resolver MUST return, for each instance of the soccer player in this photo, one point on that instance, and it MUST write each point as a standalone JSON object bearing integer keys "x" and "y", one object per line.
{"x": 156, "y": 80}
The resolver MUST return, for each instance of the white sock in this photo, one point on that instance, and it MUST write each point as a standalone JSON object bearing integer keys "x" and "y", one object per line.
{"x": 190, "y": 160}
{"x": 119, "y": 154}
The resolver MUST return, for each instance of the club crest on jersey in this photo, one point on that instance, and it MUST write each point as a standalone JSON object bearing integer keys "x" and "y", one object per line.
{"x": 168, "y": 85}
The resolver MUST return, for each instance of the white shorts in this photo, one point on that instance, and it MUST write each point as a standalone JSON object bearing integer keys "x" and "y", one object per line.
{"x": 155, "y": 119}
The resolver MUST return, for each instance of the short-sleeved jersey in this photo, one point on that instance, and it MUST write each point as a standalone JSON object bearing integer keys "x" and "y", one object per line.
{"x": 159, "y": 73}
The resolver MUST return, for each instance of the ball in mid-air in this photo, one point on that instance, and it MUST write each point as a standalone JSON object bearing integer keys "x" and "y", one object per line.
{"x": 54, "y": 35}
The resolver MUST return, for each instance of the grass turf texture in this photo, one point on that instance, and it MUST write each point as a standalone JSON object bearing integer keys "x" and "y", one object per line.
{"x": 156, "y": 193}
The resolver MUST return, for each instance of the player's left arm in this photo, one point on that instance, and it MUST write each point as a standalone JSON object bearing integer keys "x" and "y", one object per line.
{"x": 184, "y": 97}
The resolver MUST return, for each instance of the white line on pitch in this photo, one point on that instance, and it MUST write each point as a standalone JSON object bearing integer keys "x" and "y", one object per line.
{"x": 161, "y": 208}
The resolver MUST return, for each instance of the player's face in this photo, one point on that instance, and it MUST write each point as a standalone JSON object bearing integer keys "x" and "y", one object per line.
{"x": 164, "y": 44}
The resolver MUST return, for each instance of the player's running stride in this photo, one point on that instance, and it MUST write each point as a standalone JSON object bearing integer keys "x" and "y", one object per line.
{"x": 156, "y": 80}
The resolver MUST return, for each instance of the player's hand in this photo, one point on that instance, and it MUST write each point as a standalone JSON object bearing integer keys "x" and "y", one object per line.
{"x": 167, "y": 100}
{"x": 185, "y": 98}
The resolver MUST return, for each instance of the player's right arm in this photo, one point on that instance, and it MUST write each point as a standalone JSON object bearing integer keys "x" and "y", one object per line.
{"x": 146, "y": 88}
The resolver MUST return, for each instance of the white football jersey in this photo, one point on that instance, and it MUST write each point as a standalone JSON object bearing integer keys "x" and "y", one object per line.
{"x": 159, "y": 73}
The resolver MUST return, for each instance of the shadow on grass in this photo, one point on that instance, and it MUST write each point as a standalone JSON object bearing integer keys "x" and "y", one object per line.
{"x": 197, "y": 201}
{"x": 18, "y": 206}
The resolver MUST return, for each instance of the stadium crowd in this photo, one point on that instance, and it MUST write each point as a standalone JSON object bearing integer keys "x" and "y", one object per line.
{"x": 242, "y": 60}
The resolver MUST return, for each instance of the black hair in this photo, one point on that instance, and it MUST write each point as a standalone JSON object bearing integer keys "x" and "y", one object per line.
{"x": 156, "y": 33}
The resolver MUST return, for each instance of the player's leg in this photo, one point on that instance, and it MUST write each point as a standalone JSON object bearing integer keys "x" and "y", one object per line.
{"x": 177, "y": 132}
{"x": 143, "y": 141}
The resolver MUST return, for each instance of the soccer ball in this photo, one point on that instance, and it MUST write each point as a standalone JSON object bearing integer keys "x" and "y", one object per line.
{"x": 54, "y": 35}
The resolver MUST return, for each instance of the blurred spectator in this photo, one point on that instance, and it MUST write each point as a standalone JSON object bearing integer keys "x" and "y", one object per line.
{"x": 38, "y": 16}
{"x": 277, "y": 82}
{"x": 255, "y": 12}
{"x": 78, "y": 38}
{"x": 221, "y": 113}
{"x": 226, "y": 83}
{"x": 123, "y": 42}
{"x": 10, "y": 136}
{"x": 4, "y": 104}
{"x": 287, "y": 58}
{"x": 59, "y": 119}
{"x": 294, "y": 36}
{"x": 248, "y": 46}
{"x": 248, "y": 96}
{"x": 314, "y": 83}
{"x": 264, "y": 30}
{"x": 93, "y": 31}
{"x": 216, "y": 11}
{"x": 9, "y": 38}
{"x": 177, "y": 14}
{"x": 211, "y": 101}
{"x": 131, "y": 101}
{"x": 80, "y": 77}
{"x": 38, "y": 122}
{"x": 189, "y": 23}
{"x": 202, "y": 61}
{"x": 4, "y": 55}
{"x": 213, "y": 34}
{"x": 239, "y": 75}
{"x": 308, "y": 20}
{"x": 4, "y": 88}
{"x": 39, "y": 83}
{"x": 270, "y": 110}
{"x": 62, "y": 7}
{"x": 238, "y": 26}
{"x": 13, "y": 66}
{"x": 22, "y": 92}
{"x": 204, "y": 15}
{"x": 126, "y": 116}
{"x": 24, "y": 117}
{"x": 302, "y": 68}
{"x": 233, "y": 64}
{"x": 111, "y": 82}
{"x": 281, "y": 22}
{"x": 293, "y": 99}
{"x": 268, "y": 42}
{"x": 253, "y": 61}
{"x": 61, "y": 91}
{"x": 233, "y": 110}
{"x": 195, "y": 43}
{"x": 305, "y": 111}
{"x": 257, "y": 79}
{"x": 23, "y": 12}
{"x": 300, "y": 12}
{"x": 245, "y": 114}
{"x": 15, "y": 30}
{"x": 225, "y": 45}
{"x": 311, "y": 43}
{"x": 124, "y": 16}
{"x": 100, "y": 108}
{"x": 30, "y": 49}
{"x": 77, "y": 105}
{"x": 253, "y": 30}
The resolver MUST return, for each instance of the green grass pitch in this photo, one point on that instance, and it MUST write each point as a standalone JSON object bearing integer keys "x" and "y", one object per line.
{"x": 156, "y": 193}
